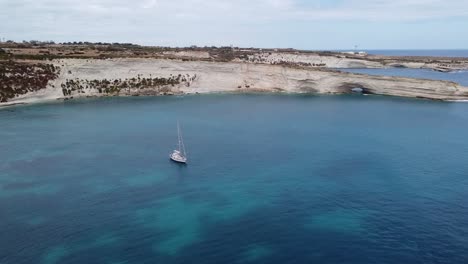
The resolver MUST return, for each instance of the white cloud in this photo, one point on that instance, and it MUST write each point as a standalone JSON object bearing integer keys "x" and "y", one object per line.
{"x": 149, "y": 4}
{"x": 210, "y": 21}
{"x": 253, "y": 9}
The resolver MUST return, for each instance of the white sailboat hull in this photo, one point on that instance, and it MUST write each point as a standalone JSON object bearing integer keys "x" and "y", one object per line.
{"x": 179, "y": 154}
{"x": 178, "y": 157}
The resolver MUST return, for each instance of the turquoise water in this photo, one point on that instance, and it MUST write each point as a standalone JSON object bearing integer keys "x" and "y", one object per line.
{"x": 271, "y": 179}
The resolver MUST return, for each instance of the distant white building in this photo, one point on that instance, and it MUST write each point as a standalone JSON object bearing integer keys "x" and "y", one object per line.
{"x": 360, "y": 53}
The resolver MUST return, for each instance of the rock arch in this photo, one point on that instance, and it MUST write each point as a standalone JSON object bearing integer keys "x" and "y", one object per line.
{"x": 354, "y": 87}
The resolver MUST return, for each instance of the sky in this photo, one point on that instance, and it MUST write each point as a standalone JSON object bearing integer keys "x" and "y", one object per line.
{"x": 301, "y": 24}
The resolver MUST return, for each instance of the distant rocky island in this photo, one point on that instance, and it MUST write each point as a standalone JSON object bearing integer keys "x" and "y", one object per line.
{"x": 40, "y": 71}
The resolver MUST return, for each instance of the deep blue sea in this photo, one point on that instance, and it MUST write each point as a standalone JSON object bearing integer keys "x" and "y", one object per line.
{"x": 438, "y": 53}
{"x": 271, "y": 179}
{"x": 456, "y": 53}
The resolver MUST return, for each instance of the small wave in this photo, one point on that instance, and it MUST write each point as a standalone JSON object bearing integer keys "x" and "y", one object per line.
{"x": 459, "y": 71}
{"x": 458, "y": 101}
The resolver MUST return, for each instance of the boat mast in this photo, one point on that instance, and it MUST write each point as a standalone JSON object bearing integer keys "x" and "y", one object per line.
{"x": 181, "y": 140}
{"x": 183, "y": 145}
{"x": 179, "y": 137}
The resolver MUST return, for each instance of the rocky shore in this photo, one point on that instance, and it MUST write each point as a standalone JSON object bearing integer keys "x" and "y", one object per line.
{"x": 74, "y": 78}
{"x": 35, "y": 74}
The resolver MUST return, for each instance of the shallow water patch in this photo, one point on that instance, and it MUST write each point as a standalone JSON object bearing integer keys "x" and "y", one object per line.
{"x": 178, "y": 219}
{"x": 57, "y": 254}
{"x": 178, "y": 222}
{"x": 145, "y": 180}
{"x": 340, "y": 220}
{"x": 42, "y": 189}
{"x": 256, "y": 253}
{"x": 36, "y": 220}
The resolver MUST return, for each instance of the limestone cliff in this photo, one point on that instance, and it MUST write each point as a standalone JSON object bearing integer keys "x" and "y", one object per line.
{"x": 138, "y": 76}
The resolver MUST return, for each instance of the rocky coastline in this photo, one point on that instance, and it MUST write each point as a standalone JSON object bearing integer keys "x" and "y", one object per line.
{"x": 192, "y": 71}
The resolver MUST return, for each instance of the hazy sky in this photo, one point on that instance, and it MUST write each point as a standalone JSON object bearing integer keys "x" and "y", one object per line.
{"x": 314, "y": 24}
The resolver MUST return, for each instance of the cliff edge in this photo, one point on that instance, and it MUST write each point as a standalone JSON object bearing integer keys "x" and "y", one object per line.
{"x": 72, "y": 78}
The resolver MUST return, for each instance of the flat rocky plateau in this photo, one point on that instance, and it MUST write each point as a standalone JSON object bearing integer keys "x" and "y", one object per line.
{"x": 171, "y": 72}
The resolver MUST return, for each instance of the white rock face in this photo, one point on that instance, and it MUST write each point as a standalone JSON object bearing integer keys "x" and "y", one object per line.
{"x": 313, "y": 59}
{"x": 190, "y": 54}
{"x": 214, "y": 77}
{"x": 337, "y": 60}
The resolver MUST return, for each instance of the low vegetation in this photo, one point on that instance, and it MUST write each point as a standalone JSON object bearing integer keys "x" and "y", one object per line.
{"x": 20, "y": 78}
{"x": 127, "y": 85}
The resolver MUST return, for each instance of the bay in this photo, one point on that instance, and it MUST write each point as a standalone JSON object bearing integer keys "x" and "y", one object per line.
{"x": 270, "y": 179}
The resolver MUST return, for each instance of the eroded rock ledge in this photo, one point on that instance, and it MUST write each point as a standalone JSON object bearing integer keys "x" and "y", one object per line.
{"x": 71, "y": 78}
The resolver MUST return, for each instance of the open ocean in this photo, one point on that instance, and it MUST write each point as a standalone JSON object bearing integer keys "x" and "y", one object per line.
{"x": 437, "y": 53}
{"x": 456, "y": 53}
{"x": 271, "y": 179}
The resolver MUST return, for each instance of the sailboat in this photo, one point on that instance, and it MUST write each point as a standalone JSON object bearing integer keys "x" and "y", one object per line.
{"x": 179, "y": 154}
